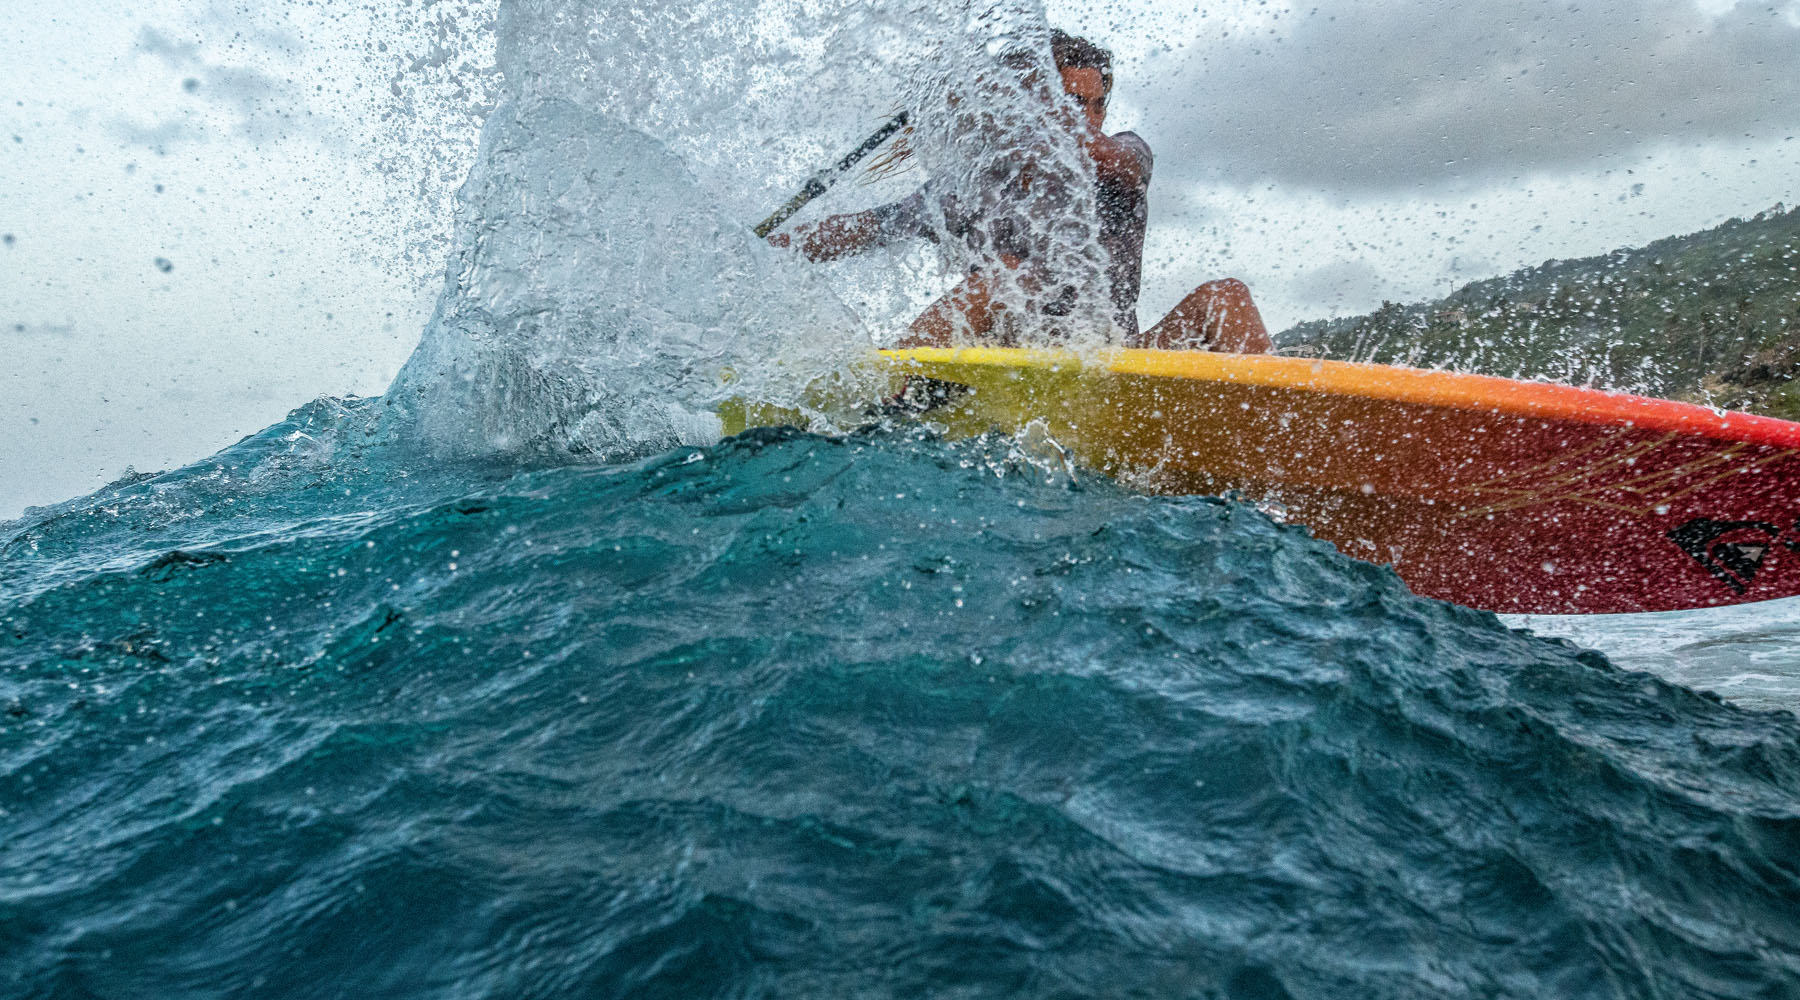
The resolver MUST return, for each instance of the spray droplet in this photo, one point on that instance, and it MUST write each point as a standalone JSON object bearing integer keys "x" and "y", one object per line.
{"x": 165, "y": 265}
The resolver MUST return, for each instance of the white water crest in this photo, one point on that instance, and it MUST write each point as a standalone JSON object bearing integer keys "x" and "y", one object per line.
{"x": 1748, "y": 653}
{"x": 605, "y": 291}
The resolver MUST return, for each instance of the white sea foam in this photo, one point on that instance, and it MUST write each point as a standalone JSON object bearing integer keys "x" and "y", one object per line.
{"x": 1749, "y": 654}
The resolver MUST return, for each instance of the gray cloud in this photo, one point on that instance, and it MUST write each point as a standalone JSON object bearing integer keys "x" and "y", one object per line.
{"x": 177, "y": 54}
{"x": 247, "y": 29}
{"x": 1358, "y": 97}
{"x": 157, "y": 137}
{"x": 1332, "y": 286}
{"x": 61, "y": 331}
{"x": 265, "y": 107}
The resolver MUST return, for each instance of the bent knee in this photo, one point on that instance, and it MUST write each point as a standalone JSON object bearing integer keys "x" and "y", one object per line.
{"x": 1223, "y": 292}
{"x": 1226, "y": 286}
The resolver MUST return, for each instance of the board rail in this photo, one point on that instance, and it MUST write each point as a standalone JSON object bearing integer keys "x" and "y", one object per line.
{"x": 1424, "y": 387}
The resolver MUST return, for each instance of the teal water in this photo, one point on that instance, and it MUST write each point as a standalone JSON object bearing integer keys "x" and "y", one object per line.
{"x": 794, "y": 716}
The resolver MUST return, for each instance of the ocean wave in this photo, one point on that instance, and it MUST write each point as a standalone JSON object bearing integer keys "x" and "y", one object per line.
{"x": 791, "y": 715}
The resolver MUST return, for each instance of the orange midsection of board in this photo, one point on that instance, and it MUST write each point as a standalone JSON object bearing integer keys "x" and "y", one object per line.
{"x": 1189, "y": 435}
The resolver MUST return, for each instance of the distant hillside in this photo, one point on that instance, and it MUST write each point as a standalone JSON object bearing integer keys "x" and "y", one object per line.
{"x": 1712, "y": 317}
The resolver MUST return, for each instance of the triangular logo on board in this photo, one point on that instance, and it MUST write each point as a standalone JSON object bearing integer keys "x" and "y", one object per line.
{"x": 1734, "y": 562}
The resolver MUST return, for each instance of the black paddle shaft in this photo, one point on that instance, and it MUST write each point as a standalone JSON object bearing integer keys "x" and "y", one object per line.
{"x": 822, "y": 181}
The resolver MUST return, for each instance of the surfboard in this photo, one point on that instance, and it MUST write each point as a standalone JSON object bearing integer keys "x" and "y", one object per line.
{"x": 1509, "y": 496}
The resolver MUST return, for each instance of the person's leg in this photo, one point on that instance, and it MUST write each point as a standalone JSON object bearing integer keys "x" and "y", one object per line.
{"x": 964, "y": 313}
{"x": 1217, "y": 316}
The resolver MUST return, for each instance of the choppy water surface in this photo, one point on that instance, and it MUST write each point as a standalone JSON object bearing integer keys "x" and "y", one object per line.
{"x": 800, "y": 716}
{"x": 517, "y": 683}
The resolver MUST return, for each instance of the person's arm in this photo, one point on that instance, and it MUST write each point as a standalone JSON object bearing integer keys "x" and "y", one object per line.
{"x": 833, "y": 237}
{"x": 852, "y": 233}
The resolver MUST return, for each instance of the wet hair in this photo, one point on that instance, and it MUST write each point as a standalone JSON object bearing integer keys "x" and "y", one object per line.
{"x": 1075, "y": 52}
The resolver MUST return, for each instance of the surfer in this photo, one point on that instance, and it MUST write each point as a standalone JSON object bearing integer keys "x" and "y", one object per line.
{"x": 1218, "y": 315}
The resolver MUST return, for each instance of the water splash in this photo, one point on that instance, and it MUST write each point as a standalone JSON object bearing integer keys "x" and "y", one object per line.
{"x": 605, "y": 293}
{"x": 598, "y": 296}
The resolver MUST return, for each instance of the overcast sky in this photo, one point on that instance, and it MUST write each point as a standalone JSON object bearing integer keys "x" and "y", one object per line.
{"x": 1337, "y": 154}
{"x": 209, "y": 216}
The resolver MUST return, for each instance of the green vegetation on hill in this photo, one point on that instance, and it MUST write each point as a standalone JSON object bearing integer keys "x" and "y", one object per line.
{"x": 1712, "y": 317}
